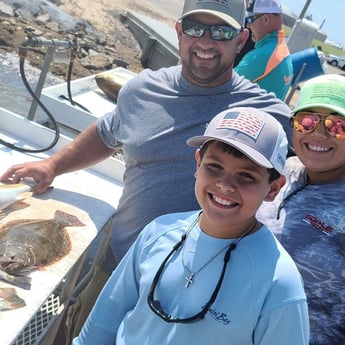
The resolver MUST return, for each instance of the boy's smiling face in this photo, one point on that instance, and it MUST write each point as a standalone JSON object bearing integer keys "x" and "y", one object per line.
{"x": 230, "y": 190}
{"x": 321, "y": 153}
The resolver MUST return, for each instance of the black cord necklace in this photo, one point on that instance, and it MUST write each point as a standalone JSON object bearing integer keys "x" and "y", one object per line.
{"x": 190, "y": 278}
{"x": 155, "y": 305}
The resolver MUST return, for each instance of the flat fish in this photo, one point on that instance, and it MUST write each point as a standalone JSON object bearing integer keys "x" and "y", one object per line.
{"x": 10, "y": 193}
{"x": 21, "y": 281}
{"x": 27, "y": 244}
{"x": 9, "y": 300}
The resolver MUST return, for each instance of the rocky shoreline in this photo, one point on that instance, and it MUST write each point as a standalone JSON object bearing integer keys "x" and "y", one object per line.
{"x": 96, "y": 50}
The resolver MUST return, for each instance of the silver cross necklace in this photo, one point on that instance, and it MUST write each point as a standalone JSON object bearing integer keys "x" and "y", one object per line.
{"x": 190, "y": 278}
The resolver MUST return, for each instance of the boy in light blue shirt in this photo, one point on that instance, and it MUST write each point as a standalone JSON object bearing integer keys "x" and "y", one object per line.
{"x": 215, "y": 275}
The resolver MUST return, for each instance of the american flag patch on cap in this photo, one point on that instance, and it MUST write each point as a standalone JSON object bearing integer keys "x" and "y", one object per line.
{"x": 244, "y": 122}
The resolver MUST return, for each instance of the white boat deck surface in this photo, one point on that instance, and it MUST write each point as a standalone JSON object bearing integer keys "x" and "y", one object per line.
{"x": 84, "y": 92}
{"x": 91, "y": 195}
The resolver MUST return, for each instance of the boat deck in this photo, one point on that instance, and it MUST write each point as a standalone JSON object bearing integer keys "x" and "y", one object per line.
{"x": 92, "y": 195}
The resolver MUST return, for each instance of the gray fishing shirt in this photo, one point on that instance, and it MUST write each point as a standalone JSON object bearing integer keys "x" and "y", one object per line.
{"x": 311, "y": 226}
{"x": 157, "y": 111}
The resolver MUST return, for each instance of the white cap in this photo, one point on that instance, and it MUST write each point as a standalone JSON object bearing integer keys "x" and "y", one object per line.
{"x": 254, "y": 132}
{"x": 264, "y": 6}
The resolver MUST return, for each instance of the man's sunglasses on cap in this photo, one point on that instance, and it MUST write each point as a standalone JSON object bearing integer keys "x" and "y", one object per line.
{"x": 217, "y": 32}
{"x": 307, "y": 122}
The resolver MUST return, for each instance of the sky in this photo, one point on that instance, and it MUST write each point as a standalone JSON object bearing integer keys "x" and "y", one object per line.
{"x": 332, "y": 11}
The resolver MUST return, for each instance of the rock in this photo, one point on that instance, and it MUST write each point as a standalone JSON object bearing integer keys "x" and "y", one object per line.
{"x": 42, "y": 19}
{"x": 97, "y": 50}
{"x": 6, "y": 10}
{"x": 96, "y": 62}
{"x": 54, "y": 26}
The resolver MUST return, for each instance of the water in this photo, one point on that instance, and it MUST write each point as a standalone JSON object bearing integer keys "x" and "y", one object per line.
{"x": 13, "y": 94}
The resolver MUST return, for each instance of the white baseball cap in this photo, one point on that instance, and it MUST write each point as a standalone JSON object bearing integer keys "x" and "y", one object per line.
{"x": 264, "y": 6}
{"x": 254, "y": 132}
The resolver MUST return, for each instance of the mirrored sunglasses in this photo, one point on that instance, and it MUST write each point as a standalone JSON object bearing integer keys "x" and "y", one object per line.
{"x": 217, "y": 32}
{"x": 307, "y": 122}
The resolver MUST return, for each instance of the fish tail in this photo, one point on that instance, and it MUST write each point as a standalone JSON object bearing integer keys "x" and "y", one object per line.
{"x": 67, "y": 219}
{"x": 10, "y": 193}
{"x": 9, "y": 300}
{"x": 9, "y": 305}
{"x": 23, "y": 282}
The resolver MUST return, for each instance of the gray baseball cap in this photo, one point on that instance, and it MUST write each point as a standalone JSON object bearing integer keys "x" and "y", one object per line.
{"x": 231, "y": 11}
{"x": 254, "y": 132}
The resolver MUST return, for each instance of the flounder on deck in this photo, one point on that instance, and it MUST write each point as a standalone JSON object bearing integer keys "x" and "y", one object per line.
{"x": 26, "y": 244}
